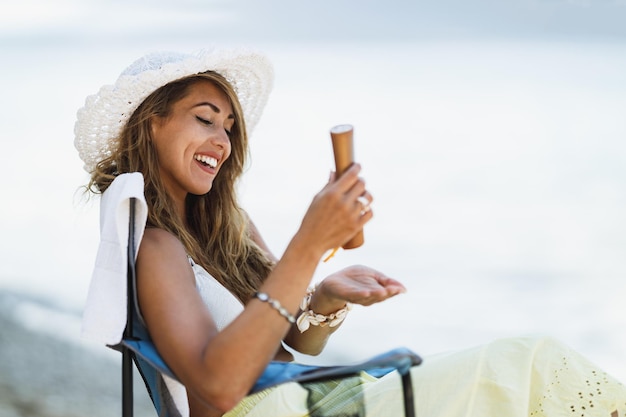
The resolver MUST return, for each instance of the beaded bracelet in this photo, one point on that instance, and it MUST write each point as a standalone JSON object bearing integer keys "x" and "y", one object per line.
{"x": 275, "y": 304}
{"x": 309, "y": 317}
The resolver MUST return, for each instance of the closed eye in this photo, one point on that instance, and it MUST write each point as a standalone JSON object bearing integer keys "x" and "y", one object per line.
{"x": 210, "y": 123}
{"x": 204, "y": 121}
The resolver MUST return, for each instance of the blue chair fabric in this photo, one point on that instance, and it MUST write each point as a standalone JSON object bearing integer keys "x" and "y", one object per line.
{"x": 137, "y": 347}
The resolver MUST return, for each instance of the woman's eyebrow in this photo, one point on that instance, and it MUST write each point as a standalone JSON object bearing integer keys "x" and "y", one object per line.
{"x": 213, "y": 107}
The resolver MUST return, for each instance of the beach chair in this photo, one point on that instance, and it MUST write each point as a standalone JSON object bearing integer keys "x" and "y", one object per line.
{"x": 136, "y": 346}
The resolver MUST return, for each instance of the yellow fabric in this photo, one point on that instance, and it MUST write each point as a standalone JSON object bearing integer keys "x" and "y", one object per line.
{"x": 518, "y": 377}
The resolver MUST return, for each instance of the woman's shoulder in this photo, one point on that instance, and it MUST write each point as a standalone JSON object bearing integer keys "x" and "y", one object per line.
{"x": 162, "y": 256}
{"x": 158, "y": 235}
{"x": 158, "y": 242}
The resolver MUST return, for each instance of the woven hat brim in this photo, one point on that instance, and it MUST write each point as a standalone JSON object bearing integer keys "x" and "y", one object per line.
{"x": 100, "y": 121}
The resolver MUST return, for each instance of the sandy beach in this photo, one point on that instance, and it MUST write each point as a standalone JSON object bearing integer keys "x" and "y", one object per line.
{"x": 44, "y": 376}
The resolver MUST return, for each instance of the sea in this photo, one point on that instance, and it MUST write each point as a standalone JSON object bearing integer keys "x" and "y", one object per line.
{"x": 498, "y": 170}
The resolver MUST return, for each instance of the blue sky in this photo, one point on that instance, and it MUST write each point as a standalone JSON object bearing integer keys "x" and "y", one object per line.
{"x": 318, "y": 20}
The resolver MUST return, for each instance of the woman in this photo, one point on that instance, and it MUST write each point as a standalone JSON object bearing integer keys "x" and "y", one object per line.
{"x": 209, "y": 288}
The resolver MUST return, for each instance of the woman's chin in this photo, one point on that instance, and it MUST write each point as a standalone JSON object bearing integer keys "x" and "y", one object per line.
{"x": 201, "y": 189}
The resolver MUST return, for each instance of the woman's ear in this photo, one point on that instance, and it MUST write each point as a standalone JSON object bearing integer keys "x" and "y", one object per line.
{"x": 155, "y": 125}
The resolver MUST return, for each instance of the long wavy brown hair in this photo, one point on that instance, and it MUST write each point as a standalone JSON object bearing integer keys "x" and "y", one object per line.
{"x": 217, "y": 235}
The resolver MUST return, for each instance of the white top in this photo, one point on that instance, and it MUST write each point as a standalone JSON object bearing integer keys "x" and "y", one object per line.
{"x": 222, "y": 304}
{"x": 224, "y": 308}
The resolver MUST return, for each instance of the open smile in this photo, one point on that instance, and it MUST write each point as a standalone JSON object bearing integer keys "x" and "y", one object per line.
{"x": 206, "y": 160}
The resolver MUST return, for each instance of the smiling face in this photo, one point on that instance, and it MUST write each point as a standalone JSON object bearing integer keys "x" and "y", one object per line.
{"x": 193, "y": 141}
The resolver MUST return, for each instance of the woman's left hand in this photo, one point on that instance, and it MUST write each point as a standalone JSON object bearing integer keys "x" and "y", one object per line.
{"x": 355, "y": 284}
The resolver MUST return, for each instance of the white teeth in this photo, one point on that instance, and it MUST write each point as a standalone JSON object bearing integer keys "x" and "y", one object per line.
{"x": 207, "y": 160}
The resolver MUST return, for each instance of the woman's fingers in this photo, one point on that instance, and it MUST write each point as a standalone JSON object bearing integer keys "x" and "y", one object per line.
{"x": 360, "y": 285}
{"x": 355, "y": 193}
{"x": 348, "y": 179}
{"x": 339, "y": 210}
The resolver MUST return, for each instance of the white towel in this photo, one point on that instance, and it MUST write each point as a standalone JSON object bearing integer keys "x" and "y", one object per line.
{"x": 104, "y": 316}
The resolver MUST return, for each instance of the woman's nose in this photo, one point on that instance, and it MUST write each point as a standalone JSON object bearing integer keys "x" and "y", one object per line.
{"x": 221, "y": 138}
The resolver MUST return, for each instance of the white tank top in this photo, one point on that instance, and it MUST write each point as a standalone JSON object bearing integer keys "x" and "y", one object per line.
{"x": 224, "y": 308}
{"x": 222, "y": 304}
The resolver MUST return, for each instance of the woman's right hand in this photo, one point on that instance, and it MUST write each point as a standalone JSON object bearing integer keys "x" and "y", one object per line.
{"x": 336, "y": 214}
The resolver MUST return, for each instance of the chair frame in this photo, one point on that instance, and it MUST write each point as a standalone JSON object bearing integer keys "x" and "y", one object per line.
{"x": 127, "y": 354}
{"x": 401, "y": 360}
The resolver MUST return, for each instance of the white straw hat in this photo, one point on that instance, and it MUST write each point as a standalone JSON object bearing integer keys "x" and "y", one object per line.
{"x": 100, "y": 121}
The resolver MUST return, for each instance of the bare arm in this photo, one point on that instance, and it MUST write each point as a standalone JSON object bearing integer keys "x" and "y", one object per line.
{"x": 220, "y": 367}
{"x": 356, "y": 284}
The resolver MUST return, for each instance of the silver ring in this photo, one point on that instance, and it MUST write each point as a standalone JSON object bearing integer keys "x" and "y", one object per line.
{"x": 365, "y": 203}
